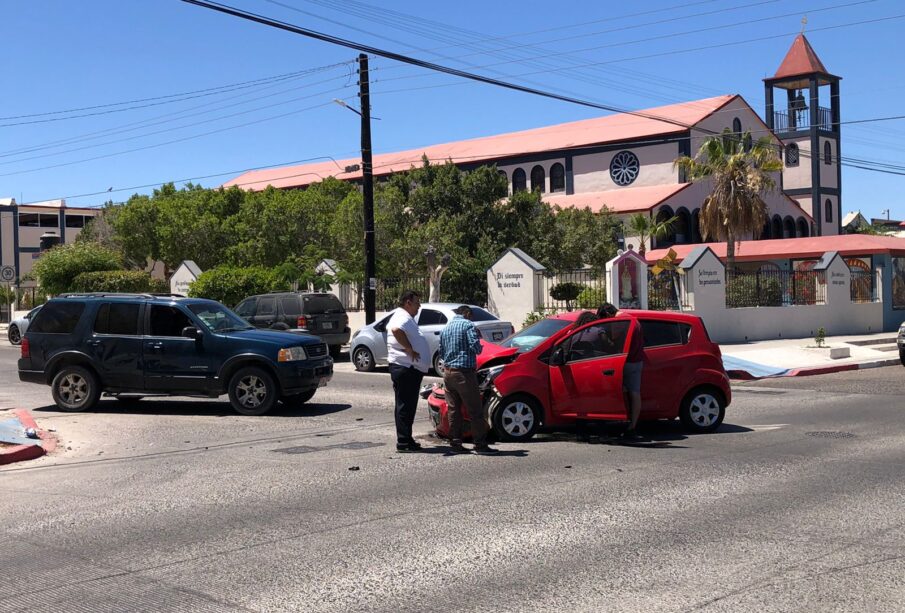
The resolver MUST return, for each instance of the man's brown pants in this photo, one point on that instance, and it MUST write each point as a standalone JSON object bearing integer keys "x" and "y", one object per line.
{"x": 462, "y": 390}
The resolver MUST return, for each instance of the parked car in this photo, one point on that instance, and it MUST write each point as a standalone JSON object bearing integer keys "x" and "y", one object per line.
{"x": 299, "y": 312}
{"x": 368, "y": 347}
{"x": 900, "y": 341}
{"x": 83, "y": 345}
{"x": 552, "y": 374}
{"x": 18, "y": 327}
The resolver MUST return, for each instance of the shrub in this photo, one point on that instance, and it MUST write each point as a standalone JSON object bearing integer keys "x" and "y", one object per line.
{"x": 567, "y": 291}
{"x": 532, "y": 318}
{"x": 230, "y": 285}
{"x": 591, "y": 297}
{"x": 751, "y": 291}
{"x": 136, "y": 281}
{"x": 820, "y": 337}
{"x": 57, "y": 268}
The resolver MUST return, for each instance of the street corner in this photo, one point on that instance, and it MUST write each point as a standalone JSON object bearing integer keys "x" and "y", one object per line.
{"x": 21, "y": 439}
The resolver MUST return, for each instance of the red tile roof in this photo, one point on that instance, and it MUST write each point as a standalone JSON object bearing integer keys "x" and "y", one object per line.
{"x": 800, "y": 60}
{"x": 609, "y": 129}
{"x": 623, "y": 200}
{"x": 794, "y": 248}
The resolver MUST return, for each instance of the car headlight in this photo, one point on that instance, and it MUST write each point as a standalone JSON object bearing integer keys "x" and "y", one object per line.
{"x": 487, "y": 375}
{"x": 291, "y": 354}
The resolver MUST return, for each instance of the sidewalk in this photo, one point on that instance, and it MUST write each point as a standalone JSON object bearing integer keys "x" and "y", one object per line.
{"x": 801, "y": 356}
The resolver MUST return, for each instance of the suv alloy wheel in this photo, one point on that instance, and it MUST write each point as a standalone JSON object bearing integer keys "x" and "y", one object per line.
{"x": 252, "y": 391}
{"x": 75, "y": 388}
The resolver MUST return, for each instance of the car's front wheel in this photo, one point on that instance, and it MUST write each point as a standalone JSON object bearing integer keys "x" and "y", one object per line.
{"x": 516, "y": 418}
{"x": 363, "y": 359}
{"x": 702, "y": 410}
{"x": 299, "y": 399}
{"x": 75, "y": 388}
{"x": 15, "y": 337}
{"x": 252, "y": 391}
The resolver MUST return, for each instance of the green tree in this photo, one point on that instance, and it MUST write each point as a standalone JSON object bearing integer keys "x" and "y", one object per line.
{"x": 230, "y": 285}
{"x": 739, "y": 170}
{"x": 644, "y": 227}
{"x": 57, "y": 268}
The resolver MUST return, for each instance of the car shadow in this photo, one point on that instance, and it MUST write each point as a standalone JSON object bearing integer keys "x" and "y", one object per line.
{"x": 202, "y": 408}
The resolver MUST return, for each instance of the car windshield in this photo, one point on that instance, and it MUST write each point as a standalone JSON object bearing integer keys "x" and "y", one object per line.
{"x": 217, "y": 318}
{"x": 534, "y": 335}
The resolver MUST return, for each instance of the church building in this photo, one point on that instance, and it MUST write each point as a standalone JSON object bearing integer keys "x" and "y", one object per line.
{"x": 624, "y": 162}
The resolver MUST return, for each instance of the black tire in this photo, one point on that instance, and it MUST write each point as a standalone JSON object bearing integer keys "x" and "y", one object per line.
{"x": 252, "y": 391}
{"x": 437, "y": 364}
{"x": 902, "y": 356}
{"x": 363, "y": 359}
{"x": 516, "y": 418}
{"x": 15, "y": 337}
{"x": 299, "y": 399}
{"x": 75, "y": 388}
{"x": 702, "y": 410}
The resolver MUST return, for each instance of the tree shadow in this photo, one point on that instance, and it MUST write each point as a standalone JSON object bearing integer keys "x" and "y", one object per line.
{"x": 199, "y": 407}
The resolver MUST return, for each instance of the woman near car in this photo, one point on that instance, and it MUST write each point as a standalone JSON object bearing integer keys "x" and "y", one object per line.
{"x": 631, "y": 372}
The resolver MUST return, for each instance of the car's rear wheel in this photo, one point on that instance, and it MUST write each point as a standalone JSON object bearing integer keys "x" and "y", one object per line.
{"x": 702, "y": 410}
{"x": 75, "y": 388}
{"x": 15, "y": 337}
{"x": 363, "y": 359}
{"x": 516, "y": 418}
{"x": 252, "y": 391}
{"x": 438, "y": 365}
{"x": 299, "y": 399}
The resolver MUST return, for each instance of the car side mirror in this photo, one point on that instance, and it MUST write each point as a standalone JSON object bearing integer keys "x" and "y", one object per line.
{"x": 558, "y": 357}
{"x": 193, "y": 333}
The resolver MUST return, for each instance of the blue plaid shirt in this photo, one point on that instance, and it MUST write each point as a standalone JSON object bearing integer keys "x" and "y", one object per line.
{"x": 460, "y": 343}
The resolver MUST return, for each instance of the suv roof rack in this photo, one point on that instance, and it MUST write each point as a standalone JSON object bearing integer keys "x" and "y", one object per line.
{"x": 117, "y": 295}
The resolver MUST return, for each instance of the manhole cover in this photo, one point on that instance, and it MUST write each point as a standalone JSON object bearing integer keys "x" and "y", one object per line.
{"x": 830, "y": 434}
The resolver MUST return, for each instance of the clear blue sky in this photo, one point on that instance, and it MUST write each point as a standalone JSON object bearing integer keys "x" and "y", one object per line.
{"x": 60, "y": 54}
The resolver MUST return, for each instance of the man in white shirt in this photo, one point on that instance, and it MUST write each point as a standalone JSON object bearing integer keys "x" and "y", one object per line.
{"x": 409, "y": 356}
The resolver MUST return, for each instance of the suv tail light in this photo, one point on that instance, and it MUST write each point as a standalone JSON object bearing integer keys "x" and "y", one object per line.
{"x": 26, "y": 350}
{"x": 302, "y": 322}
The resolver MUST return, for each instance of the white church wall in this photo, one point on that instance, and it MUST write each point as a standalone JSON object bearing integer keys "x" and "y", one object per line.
{"x": 828, "y": 176}
{"x": 592, "y": 172}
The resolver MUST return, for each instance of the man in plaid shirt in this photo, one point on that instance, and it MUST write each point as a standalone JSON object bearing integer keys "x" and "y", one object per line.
{"x": 459, "y": 348}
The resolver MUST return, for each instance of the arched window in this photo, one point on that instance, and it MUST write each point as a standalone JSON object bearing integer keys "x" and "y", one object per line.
{"x": 682, "y": 225}
{"x": 776, "y": 231}
{"x": 827, "y": 153}
{"x": 557, "y": 178}
{"x": 765, "y": 233}
{"x": 802, "y": 228}
{"x": 696, "y": 227}
{"x": 519, "y": 181}
{"x": 665, "y": 213}
{"x": 828, "y": 211}
{"x": 788, "y": 228}
{"x": 537, "y": 179}
{"x": 737, "y": 126}
{"x": 791, "y": 154}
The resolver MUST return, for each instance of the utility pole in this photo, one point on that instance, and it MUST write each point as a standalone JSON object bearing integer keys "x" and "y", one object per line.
{"x": 367, "y": 190}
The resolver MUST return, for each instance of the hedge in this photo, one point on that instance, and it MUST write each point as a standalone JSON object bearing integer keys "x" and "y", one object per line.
{"x": 127, "y": 281}
{"x": 230, "y": 285}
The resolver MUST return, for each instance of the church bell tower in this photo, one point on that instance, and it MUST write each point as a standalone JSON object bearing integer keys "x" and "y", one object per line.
{"x": 807, "y": 123}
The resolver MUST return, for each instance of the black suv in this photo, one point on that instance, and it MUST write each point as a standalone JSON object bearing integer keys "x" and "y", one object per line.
{"x": 300, "y": 312}
{"x": 142, "y": 344}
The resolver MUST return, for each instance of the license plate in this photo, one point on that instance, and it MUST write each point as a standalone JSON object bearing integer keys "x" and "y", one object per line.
{"x": 327, "y": 325}
{"x": 497, "y": 336}
{"x": 322, "y": 382}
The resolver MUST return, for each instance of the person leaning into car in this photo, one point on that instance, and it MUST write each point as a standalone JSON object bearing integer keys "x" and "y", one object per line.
{"x": 631, "y": 372}
{"x": 459, "y": 348}
{"x": 408, "y": 355}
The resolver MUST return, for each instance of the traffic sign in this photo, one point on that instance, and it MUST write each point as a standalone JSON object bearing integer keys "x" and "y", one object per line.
{"x": 7, "y": 274}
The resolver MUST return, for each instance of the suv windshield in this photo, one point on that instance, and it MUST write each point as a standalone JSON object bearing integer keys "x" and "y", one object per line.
{"x": 217, "y": 318}
{"x": 534, "y": 335}
{"x": 321, "y": 303}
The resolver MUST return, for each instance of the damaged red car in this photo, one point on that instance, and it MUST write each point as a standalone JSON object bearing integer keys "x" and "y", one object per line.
{"x": 552, "y": 374}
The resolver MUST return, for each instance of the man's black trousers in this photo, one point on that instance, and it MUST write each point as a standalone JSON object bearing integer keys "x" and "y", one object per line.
{"x": 406, "y": 385}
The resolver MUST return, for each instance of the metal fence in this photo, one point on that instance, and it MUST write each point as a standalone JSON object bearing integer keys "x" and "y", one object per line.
{"x": 662, "y": 290}
{"x": 388, "y": 290}
{"x": 581, "y": 288}
{"x": 863, "y": 288}
{"x": 775, "y": 288}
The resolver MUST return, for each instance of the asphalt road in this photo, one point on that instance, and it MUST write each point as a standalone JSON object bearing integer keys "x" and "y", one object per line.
{"x": 162, "y": 505}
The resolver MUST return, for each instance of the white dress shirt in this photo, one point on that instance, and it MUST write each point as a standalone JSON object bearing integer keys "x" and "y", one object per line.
{"x": 396, "y": 354}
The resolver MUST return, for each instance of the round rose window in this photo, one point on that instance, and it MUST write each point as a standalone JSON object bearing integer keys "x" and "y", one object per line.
{"x": 624, "y": 168}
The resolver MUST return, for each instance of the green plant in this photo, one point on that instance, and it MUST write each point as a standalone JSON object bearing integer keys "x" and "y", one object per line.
{"x": 567, "y": 292}
{"x": 57, "y": 268}
{"x": 820, "y": 337}
{"x": 136, "y": 281}
{"x": 532, "y": 318}
{"x": 591, "y": 297}
{"x": 230, "y": 285}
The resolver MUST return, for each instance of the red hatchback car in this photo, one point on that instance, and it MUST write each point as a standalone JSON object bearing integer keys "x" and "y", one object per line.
{"x": 553, "y": 374}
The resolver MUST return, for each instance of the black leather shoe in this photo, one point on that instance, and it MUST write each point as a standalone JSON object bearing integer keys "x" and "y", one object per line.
{"x": 458, "y": 448}
{"x": 411, "y": 447}
{"x": 485, "y": 450}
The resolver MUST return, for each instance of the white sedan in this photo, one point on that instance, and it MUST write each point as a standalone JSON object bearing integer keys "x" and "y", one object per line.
{"x": 368, "y": 346}
{"x": 17, "y": 327}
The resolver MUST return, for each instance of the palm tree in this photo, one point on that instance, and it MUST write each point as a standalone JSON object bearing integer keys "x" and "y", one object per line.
{"x": 644, "y": 227}
{"x": 740, "y": 172}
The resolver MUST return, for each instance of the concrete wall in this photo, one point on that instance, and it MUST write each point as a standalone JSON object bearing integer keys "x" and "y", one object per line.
{"x": 798, "y": 177}
{"x": 511, "y": 289}
{"x": 592, "y": 172}
{"x": 828, "y": 176}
